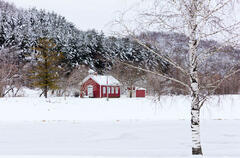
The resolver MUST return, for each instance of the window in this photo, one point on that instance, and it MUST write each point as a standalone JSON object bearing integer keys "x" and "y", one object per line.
{"x": 116, "y": 90}
{"x": 90, "y": 91}
{"x": 104, "y": 90}
{"x": 112, "y": 90}
{"x": 108, "y": 90}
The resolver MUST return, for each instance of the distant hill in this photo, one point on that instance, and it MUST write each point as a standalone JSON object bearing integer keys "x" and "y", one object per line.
{"x": 22, "y": 28}
{"x": 175, "y": 46}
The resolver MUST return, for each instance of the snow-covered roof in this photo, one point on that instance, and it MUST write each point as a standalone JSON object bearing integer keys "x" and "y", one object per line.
{"x": 103, "y": 80}
{"x": 90, "y": 71}
{"x": 140, "y": 88}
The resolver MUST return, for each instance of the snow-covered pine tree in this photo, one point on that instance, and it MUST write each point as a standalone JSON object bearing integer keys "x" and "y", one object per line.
{"x": 23, "y": 28}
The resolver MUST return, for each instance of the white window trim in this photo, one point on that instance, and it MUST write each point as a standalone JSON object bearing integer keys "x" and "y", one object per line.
{"x": 90, "y": 86}
{"x": 108, "y": 90}
{"x": 112, "y": 90}
{"x": 104, "y": 90}
{"x": 116, "y": 90}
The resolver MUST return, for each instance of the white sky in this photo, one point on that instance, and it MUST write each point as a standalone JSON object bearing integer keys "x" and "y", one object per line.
{"x": 90, "y": 14}
{"x": 85, "y": 14}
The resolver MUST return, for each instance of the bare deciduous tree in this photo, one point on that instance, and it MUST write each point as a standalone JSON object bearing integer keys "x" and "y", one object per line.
{"x": 70, "y": 81}
{"x": 10, "y": 74}
{"x": 198, "y": 20}
{"x": 127, "y": 75}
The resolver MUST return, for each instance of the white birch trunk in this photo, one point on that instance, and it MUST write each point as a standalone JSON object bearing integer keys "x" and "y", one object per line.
{"x": 195, "y": 104}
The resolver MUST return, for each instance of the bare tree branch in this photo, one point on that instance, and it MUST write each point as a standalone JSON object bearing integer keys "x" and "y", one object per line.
{"x": 158, "y": 74}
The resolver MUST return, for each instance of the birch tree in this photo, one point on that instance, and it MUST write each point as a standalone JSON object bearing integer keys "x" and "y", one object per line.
{"x": 198, "y": 20}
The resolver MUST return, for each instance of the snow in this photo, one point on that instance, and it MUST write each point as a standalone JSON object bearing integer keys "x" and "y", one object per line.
{"x": 103, "y": 80}
{"x": 34, "y": 156}
{"x": 90, "y": 71}
{"x": 119, "y": 139}
{"x": 168, "y": 108}
{"x": 140, "y": 88}
{"x": 33, "y": 127}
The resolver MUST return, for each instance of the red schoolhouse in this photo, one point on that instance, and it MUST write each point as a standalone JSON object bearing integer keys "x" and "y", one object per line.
{"x": 98, "y": 86}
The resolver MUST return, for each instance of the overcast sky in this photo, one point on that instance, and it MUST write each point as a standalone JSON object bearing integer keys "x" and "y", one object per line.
{"x": 90, "y": 14}
{"x": 85, "y": 14}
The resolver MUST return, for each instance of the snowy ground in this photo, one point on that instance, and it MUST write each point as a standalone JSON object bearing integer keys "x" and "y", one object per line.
{"x": 118, "y": 139}
{"x": 119, "y": 128}
{"x": 169, "y": 108}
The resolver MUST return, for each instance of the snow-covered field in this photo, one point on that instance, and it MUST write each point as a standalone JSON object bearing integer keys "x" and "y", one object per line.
{"x": 77, "y": 109}
{"x": 119, "y": 139}
{"x": 118, "y": 128}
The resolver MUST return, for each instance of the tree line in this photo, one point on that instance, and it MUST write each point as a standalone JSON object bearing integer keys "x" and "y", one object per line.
{"x": 22, "y": 30}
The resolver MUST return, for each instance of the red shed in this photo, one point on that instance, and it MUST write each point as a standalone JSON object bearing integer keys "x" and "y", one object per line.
{"x": 140, "y": 92}
{"x": 137, "y": 92}
{"x": 98, "y": 86}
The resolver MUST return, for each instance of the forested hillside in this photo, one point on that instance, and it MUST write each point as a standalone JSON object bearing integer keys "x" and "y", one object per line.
{"x": 21, "y": 29}
{"x": 217, "y": 60}
{"x": 175, "y": 46}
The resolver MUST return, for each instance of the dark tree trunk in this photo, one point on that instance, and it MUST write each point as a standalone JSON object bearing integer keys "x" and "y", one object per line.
{"x": 131, "y": 93}
{"x": 45, "y": 92}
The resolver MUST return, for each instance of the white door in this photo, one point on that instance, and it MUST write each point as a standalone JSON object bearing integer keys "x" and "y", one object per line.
{"x": 90, "y": 91}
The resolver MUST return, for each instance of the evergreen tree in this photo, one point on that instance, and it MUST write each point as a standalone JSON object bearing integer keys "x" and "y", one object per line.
{"x": 45, "y": 73}
{"x": 21, "y": 29}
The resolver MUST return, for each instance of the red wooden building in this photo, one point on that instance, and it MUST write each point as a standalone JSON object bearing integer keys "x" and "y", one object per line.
{"x": 97, "y": 86}
{"x": 136, "y": 92}
{"x": 140, "y": 93}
